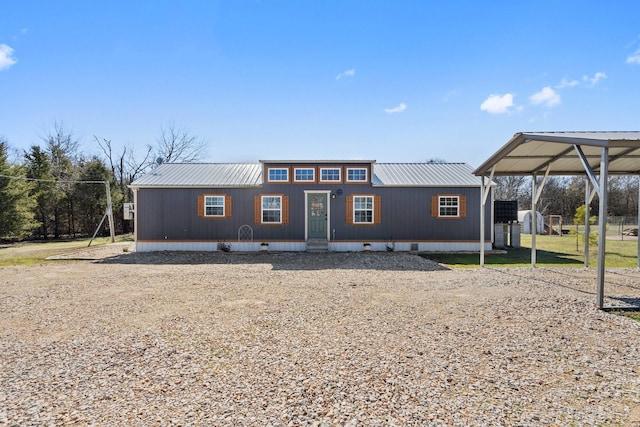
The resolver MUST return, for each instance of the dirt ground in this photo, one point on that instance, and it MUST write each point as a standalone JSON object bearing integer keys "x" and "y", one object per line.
{"x": 111, "y": 337}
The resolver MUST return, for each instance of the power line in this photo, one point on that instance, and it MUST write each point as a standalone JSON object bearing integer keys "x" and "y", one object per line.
{"x": 108, "y": 213}
{"x": 24, "y": 178}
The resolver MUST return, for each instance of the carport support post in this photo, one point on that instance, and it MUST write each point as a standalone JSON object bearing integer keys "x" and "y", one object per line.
{"x": 638, "y": 233}
{"x": 602, "y": 223}
{"x": 534, "y": 220}
{"x": 484, "y": 193}
{"x": 587, "y": 213}
{"x": 482, "y": 199}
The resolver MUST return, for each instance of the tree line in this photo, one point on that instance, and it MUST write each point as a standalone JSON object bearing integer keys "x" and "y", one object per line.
{"x": 53, "y": 190}
{"x": 563, "y": 195}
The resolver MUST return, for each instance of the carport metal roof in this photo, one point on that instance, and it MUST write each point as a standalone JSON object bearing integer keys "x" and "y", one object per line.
{"x": 532, "y": 152}
{"x": 594, "y": 154}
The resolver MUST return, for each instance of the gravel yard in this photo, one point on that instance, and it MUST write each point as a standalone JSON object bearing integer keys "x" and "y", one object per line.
{"x": 354, "y": 339}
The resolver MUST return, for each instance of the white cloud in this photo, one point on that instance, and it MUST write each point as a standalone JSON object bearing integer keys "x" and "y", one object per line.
{"x": 6, "y": 59}
{"x": 348, "y": 73}
{"x": 596, "y": 78}
{"x": 498, "y": 104}
{"x": 397, "y": 109}
{"x": 567, "y": 83}
{"x": 634, "y": 58}
{"x": 546, "y": 96}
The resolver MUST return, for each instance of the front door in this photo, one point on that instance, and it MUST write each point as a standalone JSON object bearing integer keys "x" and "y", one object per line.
{"x": 317, "y": 215}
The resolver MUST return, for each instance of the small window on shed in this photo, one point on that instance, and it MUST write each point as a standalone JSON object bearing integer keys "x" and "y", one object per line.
{"x": 271, "y": 209}
{"x": 449, "y": 206}
{"x": 214, "y": 205}
{"x": 364, "y": 209}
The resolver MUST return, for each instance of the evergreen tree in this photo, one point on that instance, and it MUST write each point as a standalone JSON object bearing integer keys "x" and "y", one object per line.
{"x": 62, "y": 150}
{"x": 16, "y": 218}
{"x": 43, "y": 190}
{"x": 90, "y": 198}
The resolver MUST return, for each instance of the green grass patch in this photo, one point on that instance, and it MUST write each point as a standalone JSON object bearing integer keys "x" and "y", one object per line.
{"x": 36, "y": 252}
{"x": 635, "y": 315}
{"x": 552, "y": 251}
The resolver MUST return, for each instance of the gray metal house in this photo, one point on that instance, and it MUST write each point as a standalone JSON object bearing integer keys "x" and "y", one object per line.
{"x": 304, "y": 205}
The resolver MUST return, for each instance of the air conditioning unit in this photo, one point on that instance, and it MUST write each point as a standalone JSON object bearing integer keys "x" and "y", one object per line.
{"x": 129, "y": 211}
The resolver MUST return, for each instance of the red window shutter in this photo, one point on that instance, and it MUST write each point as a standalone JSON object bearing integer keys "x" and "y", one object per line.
{"x": 434, "y": 206}
{"x": 463, "y": 206}
{"x": 349, "y": 200}
{"x": 257, "y": 209}
{"x": 377, "y": 209}
{"x": 227, "y": 206}
{"x": 200, "y": 205}
{"x": 285, "y": 209}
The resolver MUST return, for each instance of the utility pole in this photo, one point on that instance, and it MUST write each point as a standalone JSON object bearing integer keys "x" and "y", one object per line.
{"x": 108, "y": 214}
{"x": 112, "y": 231}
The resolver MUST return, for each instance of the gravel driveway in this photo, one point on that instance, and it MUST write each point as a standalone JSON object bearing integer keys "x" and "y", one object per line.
{"x": 381, "y": 339}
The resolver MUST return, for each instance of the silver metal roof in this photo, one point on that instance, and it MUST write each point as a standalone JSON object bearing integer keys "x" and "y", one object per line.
{"x": 178, "y": 175}
{"x": 531, "y": 152}
{"x": 318, "y": 162}
{"x": 424, "y": 175}
{"x": 202, "y": 175}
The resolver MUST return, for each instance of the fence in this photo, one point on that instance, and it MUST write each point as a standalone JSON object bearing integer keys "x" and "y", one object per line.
{"x": 618, "y": 227}
{"x": 622, "y": 226}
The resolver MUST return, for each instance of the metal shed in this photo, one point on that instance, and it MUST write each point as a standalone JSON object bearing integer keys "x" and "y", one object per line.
{"x": 593, "y": 154}
{"x": 295, "y": 205}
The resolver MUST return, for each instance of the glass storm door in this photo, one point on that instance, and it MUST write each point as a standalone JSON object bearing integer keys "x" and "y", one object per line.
{"x": 317, "y": 215}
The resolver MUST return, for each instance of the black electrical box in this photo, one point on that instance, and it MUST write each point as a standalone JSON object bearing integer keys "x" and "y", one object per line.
{"x": 505, "y": 211}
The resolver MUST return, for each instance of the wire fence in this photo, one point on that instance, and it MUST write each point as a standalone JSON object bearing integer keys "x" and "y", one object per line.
{"x": 619, "y": 227}
{"x": 622, "y": 226}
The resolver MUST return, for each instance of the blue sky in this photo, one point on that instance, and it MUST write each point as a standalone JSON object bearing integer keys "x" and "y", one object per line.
{"x": 392, "y": 81}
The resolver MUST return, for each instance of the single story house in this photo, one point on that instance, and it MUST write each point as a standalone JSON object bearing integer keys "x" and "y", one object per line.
{"x": 305, "y": 205}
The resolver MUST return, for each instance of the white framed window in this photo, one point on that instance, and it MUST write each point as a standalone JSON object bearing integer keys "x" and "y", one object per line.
{"x": 278, "y": 174}
{"x": 271, "y": 212}
{"x": 449, "y": 206}
{"x": 356, "y": 174}
{"x": 330, "y": 175}
{"x": 214, "y": 205}
{"x": 304, "y": 174}
{"x": 363, "y": 209}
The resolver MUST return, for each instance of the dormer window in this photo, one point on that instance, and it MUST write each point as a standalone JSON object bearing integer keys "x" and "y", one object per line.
{"x": 278, "y": 174}
{"x": 330, "y": 175}
{"x": 304, "y": 175}
{"x": 356, "y": 174}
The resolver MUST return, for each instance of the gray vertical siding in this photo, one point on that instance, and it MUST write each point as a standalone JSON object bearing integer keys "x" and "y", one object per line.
{"x": 171, "y": 214}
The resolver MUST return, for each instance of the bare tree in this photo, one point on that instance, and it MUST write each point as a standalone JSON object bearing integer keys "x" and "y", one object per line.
{"x": 176, "y": 144}
{"x": 509, "y": 187}
{"x": 436, "y": 160}
{"x": 125, "y": 166}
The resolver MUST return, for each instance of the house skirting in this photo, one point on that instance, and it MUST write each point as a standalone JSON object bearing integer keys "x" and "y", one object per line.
{"x": 301, "y": 246}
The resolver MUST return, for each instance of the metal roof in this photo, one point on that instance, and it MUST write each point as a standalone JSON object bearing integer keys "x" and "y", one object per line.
{"x": 532, "y": 152}
{"x": 318, "y": 162}
{"x": 202, "y": 175}
{"x": 229, "y": 175}
{"x": 424, "y": 175}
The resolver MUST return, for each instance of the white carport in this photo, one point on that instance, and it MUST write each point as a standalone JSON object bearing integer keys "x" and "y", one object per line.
{"x": 593, "y": 154}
